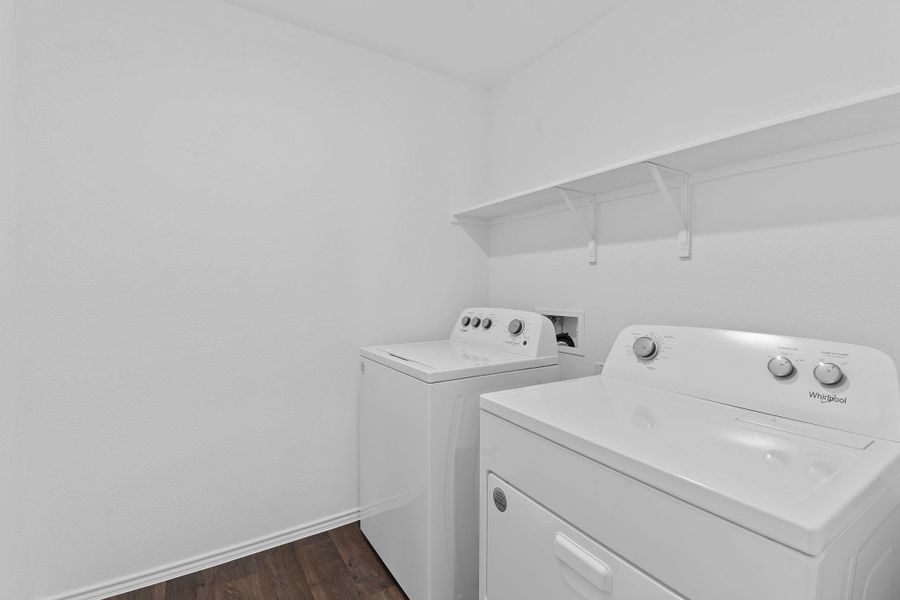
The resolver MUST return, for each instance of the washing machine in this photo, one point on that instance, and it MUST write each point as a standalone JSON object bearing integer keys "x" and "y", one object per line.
{"x": 703, "y": 465}
{"x": 418, "y": 442}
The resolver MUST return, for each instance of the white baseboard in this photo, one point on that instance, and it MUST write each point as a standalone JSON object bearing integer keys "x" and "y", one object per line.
{"x": 205, "y": 561}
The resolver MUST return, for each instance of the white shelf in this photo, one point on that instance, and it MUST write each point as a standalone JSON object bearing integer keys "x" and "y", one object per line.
{"x": 859, "y": 116}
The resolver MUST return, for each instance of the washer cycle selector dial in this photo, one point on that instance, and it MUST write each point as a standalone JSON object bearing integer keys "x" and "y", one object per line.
{"x": 645, "y": 348}
{"x": 486, "y": 323}
{"x": 516, "y": 326}
{"x": 781, "y": 366}
{"x": 828, "y": 373}
{"x": 465, "y": 321}
{"x": 476, "y": 322}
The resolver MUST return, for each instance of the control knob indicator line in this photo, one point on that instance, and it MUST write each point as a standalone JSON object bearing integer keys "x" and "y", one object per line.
{"x": 645, "y": 348}
{"x": 828, "y": 373}
{"x": 781, "y": 366}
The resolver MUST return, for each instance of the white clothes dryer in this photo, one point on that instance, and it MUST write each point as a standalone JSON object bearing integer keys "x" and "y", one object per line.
{"x": 702, "y": 464}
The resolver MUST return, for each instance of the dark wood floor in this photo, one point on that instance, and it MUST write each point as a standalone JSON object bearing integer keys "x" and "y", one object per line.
{"x": 336, "y": 565}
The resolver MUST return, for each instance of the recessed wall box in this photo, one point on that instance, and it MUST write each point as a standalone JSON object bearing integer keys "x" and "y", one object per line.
{"x": 569, "y": 326}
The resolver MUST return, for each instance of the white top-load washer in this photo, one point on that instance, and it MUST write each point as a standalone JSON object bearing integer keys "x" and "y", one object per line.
{"x": 418, "y": 444}
{"x": 702, "y": 464}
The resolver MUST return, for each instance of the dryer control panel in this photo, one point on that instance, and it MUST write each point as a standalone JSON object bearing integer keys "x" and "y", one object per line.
{"x": 516, "y": 331}
{"x": 833, "y": 384}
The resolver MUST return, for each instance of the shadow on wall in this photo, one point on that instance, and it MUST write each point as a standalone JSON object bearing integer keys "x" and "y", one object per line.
{"x": 847, "y": 187}
{"x": 480, "y": 234}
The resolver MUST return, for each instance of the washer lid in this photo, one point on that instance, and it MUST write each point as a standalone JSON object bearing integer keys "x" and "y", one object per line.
{"x": 445, "y": 360}
{"x": 793, "y": 482}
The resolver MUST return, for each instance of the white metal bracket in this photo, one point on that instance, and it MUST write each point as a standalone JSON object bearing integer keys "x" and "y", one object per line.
{"x": 590, "y": 228}
{"x": 680, "y": 207}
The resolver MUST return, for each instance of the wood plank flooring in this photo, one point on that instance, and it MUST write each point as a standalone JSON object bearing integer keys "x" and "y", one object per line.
{"x": 335, "y": 565}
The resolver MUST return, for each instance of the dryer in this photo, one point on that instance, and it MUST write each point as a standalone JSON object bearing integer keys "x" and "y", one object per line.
{"x": 702, "y": 464}
{"x": 418, "y": 443}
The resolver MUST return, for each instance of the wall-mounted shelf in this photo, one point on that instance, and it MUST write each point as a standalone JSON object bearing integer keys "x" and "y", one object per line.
{"x": 671, "y": 169}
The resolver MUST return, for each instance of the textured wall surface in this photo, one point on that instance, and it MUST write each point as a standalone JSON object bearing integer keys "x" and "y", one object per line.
{"x": 806, "y": 250}
{"x": 14, "y": 581}
{"x": 656, "y": 74}
{"x": 216, "y": 210}
{"x": 809, "y": 250}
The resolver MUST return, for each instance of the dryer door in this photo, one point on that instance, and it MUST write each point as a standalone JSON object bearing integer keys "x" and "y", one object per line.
{"x": 534, "y": 555}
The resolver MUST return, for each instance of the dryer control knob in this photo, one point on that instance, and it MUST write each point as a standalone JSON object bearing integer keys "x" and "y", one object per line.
{"x": 465, "y": 321}
{"x": 780, "y": 366}
{"x": 645, "y": 348}
{"x": 516, "y": 326}
{"x": 486, "y": 323}
{"x": 476, "y": 322}
{"x": 828, "y": 373}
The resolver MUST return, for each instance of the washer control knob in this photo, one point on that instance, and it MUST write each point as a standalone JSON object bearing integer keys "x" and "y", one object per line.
{"x": 476, "y": 322}
{"x": 465, "y": 321}
{"x": 645, "y": 348}
{"x": 486, "y": 323}
{"x": 516, "y": 326}
{"x": 780, "y": 366}
{"x": 828, "y": 373}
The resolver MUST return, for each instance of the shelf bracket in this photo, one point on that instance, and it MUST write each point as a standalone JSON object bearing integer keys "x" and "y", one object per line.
{"x": 590, "y": 228}
{"x": 680, "y": 207}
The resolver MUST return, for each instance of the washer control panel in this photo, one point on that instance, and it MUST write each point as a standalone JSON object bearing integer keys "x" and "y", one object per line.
{"x": 516, "y": 331}
{"x": 838, "y": 385}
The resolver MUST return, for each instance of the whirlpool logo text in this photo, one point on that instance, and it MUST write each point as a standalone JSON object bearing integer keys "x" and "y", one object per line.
{"x": 828, "y": 398}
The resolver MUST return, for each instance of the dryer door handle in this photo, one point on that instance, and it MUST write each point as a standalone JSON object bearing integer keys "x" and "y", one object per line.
{"x": 583, "y": 562}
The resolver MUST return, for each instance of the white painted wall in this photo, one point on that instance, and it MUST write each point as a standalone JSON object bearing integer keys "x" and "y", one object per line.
{"x": 216, "y": 210}
{"x": 656, "y": 74}
{"x": 806, "y": 250}
{"x": 14, "y": 579}
{"x": 810, "y": 250}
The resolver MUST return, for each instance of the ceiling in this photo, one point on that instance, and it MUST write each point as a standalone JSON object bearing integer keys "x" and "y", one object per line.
{"x": 479, "y": 41}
